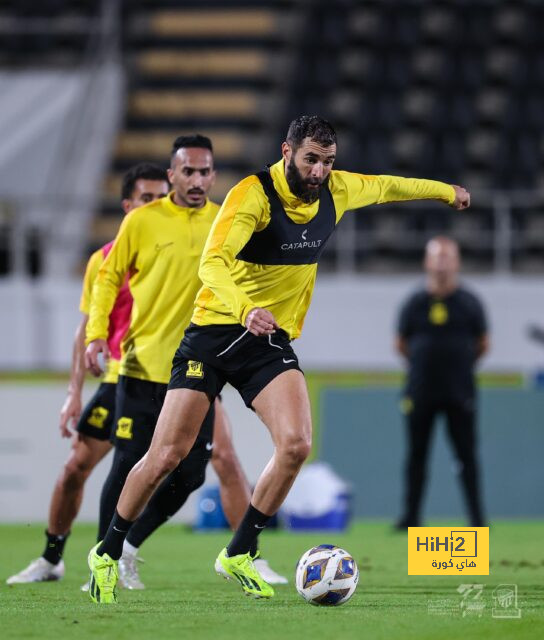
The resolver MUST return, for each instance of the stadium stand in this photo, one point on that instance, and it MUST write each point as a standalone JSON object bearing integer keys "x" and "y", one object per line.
{"x": 46, "y": 33}
{"x": 450, "y": 90}
{"x": 217, "y": 68}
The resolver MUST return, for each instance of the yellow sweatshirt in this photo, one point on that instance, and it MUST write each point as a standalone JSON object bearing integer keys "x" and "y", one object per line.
{"x": 159, "y": 245}
{"x": 232, "y": 288}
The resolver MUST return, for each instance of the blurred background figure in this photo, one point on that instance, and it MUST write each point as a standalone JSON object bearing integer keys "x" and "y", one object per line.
{"x": 442, "y": 332}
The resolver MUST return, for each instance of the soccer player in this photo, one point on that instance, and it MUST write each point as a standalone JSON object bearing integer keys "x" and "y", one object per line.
{"x": 143, "y": 183}
{"x": 159, "y": 246}
{"x": 442, "y": 333}
{"x": 258, "y": 271}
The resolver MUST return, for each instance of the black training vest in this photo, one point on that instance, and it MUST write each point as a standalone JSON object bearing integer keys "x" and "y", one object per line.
{"x": 284, "y": 241}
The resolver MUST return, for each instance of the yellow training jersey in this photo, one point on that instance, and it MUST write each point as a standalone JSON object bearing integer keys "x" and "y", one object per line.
{"x": 232, "y": 288}
{"x": 159, "y": 245}
{"x": 93, "y": 265}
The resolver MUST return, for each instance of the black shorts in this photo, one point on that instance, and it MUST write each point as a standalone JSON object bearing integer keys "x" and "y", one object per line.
{"x": 210, "y": 356}
{"x": 96, "y": 420}
{"x": 138, "y": 405}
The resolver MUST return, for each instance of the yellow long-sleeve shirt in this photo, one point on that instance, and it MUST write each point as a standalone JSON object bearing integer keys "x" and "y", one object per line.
{"x": 159, "y": 245}
{"x": 232, "y": 288}
{"x": 91, "y": 271}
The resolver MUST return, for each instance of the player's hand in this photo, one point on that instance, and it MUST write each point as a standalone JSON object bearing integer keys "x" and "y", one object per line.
{"x": 69, "y": 414}
{"x": 91, "y": 356}
{"x": 462, "y": 198}
{"x": 261, "y": 322}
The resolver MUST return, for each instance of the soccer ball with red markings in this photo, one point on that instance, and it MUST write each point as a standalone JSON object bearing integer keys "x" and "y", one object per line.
{"x": 326, "y": 575}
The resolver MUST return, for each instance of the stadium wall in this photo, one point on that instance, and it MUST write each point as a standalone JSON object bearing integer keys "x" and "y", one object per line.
{"x": 358, "y": 430}
{"x": 350, "y": 325}
{"x": 32, "y": 451}
{"x": 362, "y": 434}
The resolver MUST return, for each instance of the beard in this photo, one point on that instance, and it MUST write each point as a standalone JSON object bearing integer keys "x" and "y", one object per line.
{"x": 300, "y": 187}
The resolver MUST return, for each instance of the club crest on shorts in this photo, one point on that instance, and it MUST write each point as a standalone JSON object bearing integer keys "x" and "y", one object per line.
{"x": 98, "y": 417}
{"x": 124, "y": 428}
{"x": 195, "y": 369}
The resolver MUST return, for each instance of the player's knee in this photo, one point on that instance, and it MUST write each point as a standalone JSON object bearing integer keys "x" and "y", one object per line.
{"x": 165, "y": 462}
{"x": 295, "y": 450}
{"x": 225, "y": 463}
{"x": 75, "y": 472}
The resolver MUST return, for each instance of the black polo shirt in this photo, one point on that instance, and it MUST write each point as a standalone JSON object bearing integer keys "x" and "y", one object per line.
{"x": 442, "y": 336}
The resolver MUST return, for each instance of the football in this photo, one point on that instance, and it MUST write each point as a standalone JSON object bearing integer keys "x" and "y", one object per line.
{"x": 326, "y": 575}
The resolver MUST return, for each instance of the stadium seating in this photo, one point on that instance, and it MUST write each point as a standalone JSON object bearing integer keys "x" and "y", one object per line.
{"x": 451, "y": 90}
{"x": 45, "y": 33}
{"x": 218, "y": 68}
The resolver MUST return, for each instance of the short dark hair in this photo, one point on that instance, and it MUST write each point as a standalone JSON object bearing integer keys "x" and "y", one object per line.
{"x": 145, "y": 171}
{"x": 195, "y": 141}
{"x": 314, "y": 127}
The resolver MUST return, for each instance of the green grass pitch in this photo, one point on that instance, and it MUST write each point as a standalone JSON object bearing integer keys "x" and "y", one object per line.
{"x": 185, "y": 599}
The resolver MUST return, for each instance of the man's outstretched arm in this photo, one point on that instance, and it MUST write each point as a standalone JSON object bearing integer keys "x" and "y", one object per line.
{"x": 362, "y": 190}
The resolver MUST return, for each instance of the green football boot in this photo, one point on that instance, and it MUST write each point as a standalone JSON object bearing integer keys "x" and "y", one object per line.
{"x": 241, "y": 568}
{"x": 104, "y": 577}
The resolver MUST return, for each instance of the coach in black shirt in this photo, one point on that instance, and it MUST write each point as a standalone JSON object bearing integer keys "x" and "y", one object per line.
{"x": 442, "y": 331}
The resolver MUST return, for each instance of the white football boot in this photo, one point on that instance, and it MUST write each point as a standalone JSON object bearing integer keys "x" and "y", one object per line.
{"x": 129, "y": 578}
{"x": 268, "y": 574}
{"x": 39, "y": 570}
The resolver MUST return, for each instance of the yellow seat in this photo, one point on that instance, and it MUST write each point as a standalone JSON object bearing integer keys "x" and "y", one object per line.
{"x": 157, "y": 144}
{"x": 192, "y": 103}
{"x": 230, "y": 23}
{"x": 203, "y": 63}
